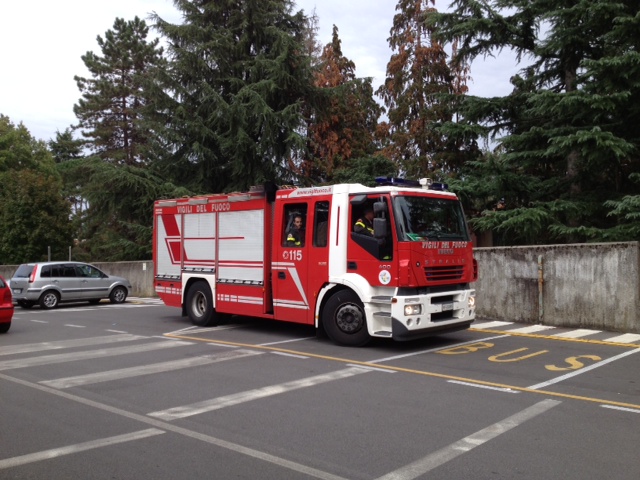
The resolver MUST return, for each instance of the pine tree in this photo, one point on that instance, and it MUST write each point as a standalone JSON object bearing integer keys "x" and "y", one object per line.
{"x": 568, "y": 130}
{"x": 229, "y": 108}
{"x": 110, "y": 112}
{"x": 345, "y": 119}
{"x": 419, "y": 77}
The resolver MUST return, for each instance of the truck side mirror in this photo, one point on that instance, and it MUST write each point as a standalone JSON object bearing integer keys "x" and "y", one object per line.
{"x": 379, "y": 227}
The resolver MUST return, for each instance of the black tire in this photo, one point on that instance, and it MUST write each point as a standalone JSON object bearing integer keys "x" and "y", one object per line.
{"x": 25, "y": 304}
{"x": 344, "y": 320}
{"x": 199, "y": 305}
{"x": 118, "y": 295}
{"x": 49, "y": 299}
{"x": 4, "y": 327}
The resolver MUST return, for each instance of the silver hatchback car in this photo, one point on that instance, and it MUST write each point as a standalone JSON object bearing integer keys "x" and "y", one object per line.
{"x": 50, "y": 283}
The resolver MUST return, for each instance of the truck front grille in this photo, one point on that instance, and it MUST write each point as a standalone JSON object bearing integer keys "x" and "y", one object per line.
{"x": 443, "y": 273}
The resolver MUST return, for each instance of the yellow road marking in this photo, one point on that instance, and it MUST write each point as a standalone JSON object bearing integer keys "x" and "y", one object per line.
{"x": 409, "y": 370}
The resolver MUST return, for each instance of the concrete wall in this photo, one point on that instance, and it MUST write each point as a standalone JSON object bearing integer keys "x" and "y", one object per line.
{"x": 595, "y": 286}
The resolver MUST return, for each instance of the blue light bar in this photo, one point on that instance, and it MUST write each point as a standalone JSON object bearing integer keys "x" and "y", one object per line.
{"x": 396, "y": 182}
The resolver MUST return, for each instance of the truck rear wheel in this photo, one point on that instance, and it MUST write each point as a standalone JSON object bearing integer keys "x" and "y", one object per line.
{"x": 200, "y": 305}
{"x": 344, "y": 320}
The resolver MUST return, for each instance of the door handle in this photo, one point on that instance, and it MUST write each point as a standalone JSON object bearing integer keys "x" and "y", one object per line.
{"x": 352, "y": 266}
{"x": 282, "y": 275}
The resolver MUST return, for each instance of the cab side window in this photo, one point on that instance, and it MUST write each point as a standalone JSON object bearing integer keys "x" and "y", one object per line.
{"x": 295, "y": 227}
{"x": 321, "y": 224}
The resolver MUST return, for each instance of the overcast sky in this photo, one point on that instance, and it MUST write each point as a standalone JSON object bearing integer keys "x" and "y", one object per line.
{"x": 42, "y": 42}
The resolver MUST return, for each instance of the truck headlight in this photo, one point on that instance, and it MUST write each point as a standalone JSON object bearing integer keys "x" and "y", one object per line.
{"x": 410, "y": 310}
{"x": 472, "y": 301}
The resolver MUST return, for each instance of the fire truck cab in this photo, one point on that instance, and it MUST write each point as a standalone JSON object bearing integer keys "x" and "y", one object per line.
{"x": 235, "y": 253}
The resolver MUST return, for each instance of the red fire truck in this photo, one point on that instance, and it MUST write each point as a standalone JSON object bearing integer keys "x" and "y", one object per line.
{"x": 407, "y": 276}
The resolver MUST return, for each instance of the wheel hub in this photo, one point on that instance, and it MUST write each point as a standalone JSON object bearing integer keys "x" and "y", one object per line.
{"x": 349, "y": 319}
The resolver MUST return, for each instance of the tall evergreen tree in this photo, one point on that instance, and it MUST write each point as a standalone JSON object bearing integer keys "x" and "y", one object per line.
{"x": 112, "y": 191}
{"x": 110, "y": 112}
{"x": 568, "y": 129}
{"x": 229, "y": 108}
{"x": 343, "y": 124}
{"x": 418, "y": 76}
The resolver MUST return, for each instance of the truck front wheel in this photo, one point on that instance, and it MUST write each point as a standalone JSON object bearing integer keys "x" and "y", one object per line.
{"x": 344, "y": 320}
{"x": 200, "y": 305}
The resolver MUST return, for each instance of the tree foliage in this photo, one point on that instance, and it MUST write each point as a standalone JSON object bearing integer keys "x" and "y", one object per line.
{"x": 568, "y": 128}
{"x": 229, "y": 105}
{"x": 110, "y": 112}
{"x": 344, "y": 121}
{"x": 418, "y": 75}
{"x": 34, "y": 215}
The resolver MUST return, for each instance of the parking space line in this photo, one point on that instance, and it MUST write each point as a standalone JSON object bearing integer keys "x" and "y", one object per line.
{"x": 498, "y": 389}
{"x": 58, "y": 345}
{"x": 79, "y": 447}
{"x": 448, "y": 453}
{"x": 626, "y": 338}
{"x": 582, "y": 370}
{"x": 530, "y": 329}
{"x": 218, "y": 442}
{"x": 250, "y": 395}
{"x": 75, "y": 356}
{"x": 494, "y": 324}
{"x": 140, "y": 370}
{"x": 578, "y": 333}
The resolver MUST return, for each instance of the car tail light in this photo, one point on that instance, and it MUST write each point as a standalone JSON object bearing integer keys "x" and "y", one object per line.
{"x": 32, "y": 276}
{"x": 7, "y": 300}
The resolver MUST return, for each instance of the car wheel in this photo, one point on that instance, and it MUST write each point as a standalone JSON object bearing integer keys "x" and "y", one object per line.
{"x": 4, "y": 327}
{"x": 200, "y": 305}
{"x": 25, "y": 304}
{"x": 118, "y": 295}
{"x": 344, "y": 320}
{"x": 49, "y": 299}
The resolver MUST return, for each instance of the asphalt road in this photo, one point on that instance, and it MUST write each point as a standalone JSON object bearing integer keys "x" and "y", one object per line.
{"x": 134, "y": 391}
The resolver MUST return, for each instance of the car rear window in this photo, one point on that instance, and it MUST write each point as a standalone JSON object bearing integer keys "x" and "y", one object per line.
{"x": 23, "y": 271}
{"x": 2, "y": 284}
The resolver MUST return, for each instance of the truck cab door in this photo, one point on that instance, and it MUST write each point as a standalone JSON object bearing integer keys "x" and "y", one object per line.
{"x": 290, "y": 262}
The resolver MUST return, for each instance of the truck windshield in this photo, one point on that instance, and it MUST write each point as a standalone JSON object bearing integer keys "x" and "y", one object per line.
{"x": 422, "y": 218}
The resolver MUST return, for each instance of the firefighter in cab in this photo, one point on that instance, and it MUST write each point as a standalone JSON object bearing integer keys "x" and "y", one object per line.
{"x": 364, "y": 224}
{"x": 295, "y": 235}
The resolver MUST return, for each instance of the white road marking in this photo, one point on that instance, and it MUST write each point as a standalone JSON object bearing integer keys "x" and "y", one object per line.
{"x": 446, "y": 454}
{"x": 284, "y": 354}
{"x": 250, "y": 395}
{"x": 531, "y": 329}
{"x": 218, "y": 442}
{"x": 72, "y": 357}
{"x": 490, "y": 324}
{"x": 578, "y": 333}
{"x": 74, "y": 326}
{"x": 582, "y": 370}
{"x": 487, "y": 387}
{"x": 161, "y": 367}
{"x": 626, "y": 338}
{"x": 623, "y": 409}
{"x": 79, "y": 447}
{"x": 39, "y": 321}
{"x": 79, "y": 342}
{"x": 286, "y": 341}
